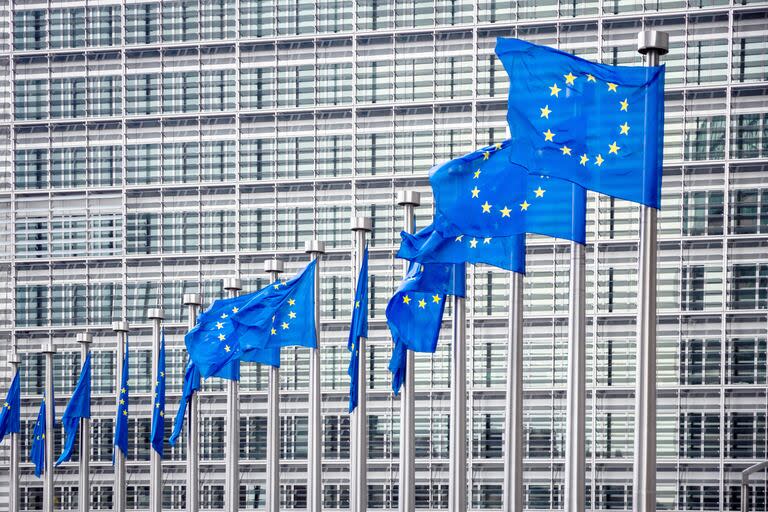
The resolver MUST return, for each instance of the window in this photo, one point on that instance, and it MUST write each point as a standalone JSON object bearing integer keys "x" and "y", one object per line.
{"x": 486, "y": 496}
{"x": 699, "y": 435}
{"x": 487, "y": 436}
{"x": 137, "y": 497}
{"x": 253, "y": 437}
{"x": 29, "y": 30}
{"x": 67, "y": 27}
{"x": 747, "y": 438}
{"x": 336, "y": 437}
{"x": 141, "y": 23}
{"x": 749, "y": 211}
{"x": 212, "y": 496}
{"x": 703, "y": 213}
{"x": 746, "y": 364}
{"x": 749, "y": 286}
{"x": 212, "y": 438}
{"x": 293, "y": 434}
{"x": 699, "y": 361}
{"x": 336, "y": 496}
{"x": 102, "y": 438}
{"x": 104, "y": 25}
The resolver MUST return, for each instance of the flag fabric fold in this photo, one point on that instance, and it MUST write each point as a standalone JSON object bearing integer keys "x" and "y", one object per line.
{"x": 158, "y": 403}
{"x": 37, "y": 452}
{"x": 10, "y": 414}
{"x": 121, "y": 420}
{"x": 358, "y": 329}
{"x": 79, "y": 406}
{"x": 597, "y": 125}
{"x": 191, "y": 385}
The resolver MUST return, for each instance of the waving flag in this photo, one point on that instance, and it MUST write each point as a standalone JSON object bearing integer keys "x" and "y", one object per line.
{"x": 596, "y": 125}
{"x": 79, "y": 406}
{"x": 358, "y": 329}
{"x": 158, "y": 405}
{"x": 37, "y": 452}
{"x": 191, "y": 385}
{"x": 10, "y": 414}
{"x": 121, "y": 421}
{"x": 486, "y": 194}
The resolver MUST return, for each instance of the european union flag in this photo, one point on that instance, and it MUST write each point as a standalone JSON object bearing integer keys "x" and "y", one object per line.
{"x": 37, "y": 452}
{"x": 158, "y": 404}
{"x": 415, "y": 312}
{"x": 79, "y": 406}
{"x": 358, "y": 329}
{"x": 191, "y": 385}
{"x": 10, "y": 415}
{"x": 121, "y": 421}
{"x": 596, "y": 125}
{"x": 429, "y": 246}
{"x": 487, "y": 194}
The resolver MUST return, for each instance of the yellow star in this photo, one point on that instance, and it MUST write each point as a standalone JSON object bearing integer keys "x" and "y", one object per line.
{"x": 545, "y": 111}
{"x": 624, "y": 129}
{"x": 277, "y": 287}
{"x": 569, "y": 78}
{"x": 599, "y": 160}
{"x": 486, "y": 207}
{"x": 422, "y": 303}
{"x": 590, "y": 78}
{"x": 226, "y": 348}
{"x": 475, "y": 192}
{"x": 473, "y": 243}
{"x": 583, "y": 159}
{"x": 406, "y": 300}
{"x": 292, "y": 314}
{"x": 487, "y": 240}
{"x": 122, "y": 390}
{"x": 125, "y": 413}
{"x": 291, "y": 302}
{"x": 497, "y": 145}
{"x": 162, "y": 374}
{"x": 486, "y": 155}
{"x": 284, "y": 325}
{"x": 273, "y": 331}
{"x": 219, "y": 325}
{"x": 524, "y": 206}
{"x": 477, "y": 174}
{"x": 357, "y": 304}
{"x": 122, "y": 402}
{"x": 548, "y": 135}
{"x": 460, "y": 238}
{"x": 612, "y": 87}
{"x": 613, "y": 148}
{"x": 436, "y": 299}
{"x": 624, "y": 105}
{"x": 223, "y": 315}
{"x": 505, "y": 212}
{"x": 235, "y": 310}
{"x": 157, "y": 405}
{"x": 539, "y": 192}
{"x": 222, "y": 337}
{"x": 566, "y": 150}
{"x": 43, "y": 436}
{"x": 554, "y": 90}
{"x": 162, "y": 414}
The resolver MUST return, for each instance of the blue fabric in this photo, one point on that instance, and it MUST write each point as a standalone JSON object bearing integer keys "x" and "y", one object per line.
{"x": 487, "y": 194}
{"x": 121, "y": 421}
{"x": 191, "y": 385}
{"x": 358, "y": 329}
{"x": 79, "y": 406}
{"x": 37, "y": 452}
{"x": 594, "y": 110}
{"x": 158, "y": 403}
{"x": 10, "y": 415}
{"x": 429, "y": 246}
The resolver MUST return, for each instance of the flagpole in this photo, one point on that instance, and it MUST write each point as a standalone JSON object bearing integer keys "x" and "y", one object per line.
{"x": 315, "y": 248}
{"x": 121, "y": 328}
{"x": 652, "y": 44}
{"x": 84, "y": 496}
{"x": 409, "y": 200}
{"x": 575, "y": 436}
{"x": 232, "y": 444}
{"x": 274, "y": 268}
{"x": 49, "y": 350}
{"x": 358, "y": 488}
{"x": 193, "y": 302}
{"x": 513, "y": 421}
{"x": 13, "y": 360}
{"x": 155, "y": 461}
{"x": 457, "y": 486}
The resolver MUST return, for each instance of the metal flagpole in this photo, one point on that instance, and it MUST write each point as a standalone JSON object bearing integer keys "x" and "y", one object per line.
{"x": 575, "y": 437}
{"x": 315, "y": 248}
{"x": 193, "y": 302}
{"x": 513, "y": 420}
{"x": 121, "y": 328}
{"x": 409, "y": 200}
{"x": 652, "y": 44}
{"x": 358, "y": 488}
{"x": 155, "y": 461}
{"x": 13, "y": 360}
{"x": 274, "y": 268}
{"x": 232, "y": 444}
{"x": 84, "y": 496}
{"x": 457, "y": 486}
{"x": 49, "y": 350}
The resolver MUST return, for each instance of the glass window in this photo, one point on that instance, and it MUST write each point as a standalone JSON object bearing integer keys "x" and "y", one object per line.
{"x": 29, "y": 30}
{"x": 67, "y": 27}
{"x": 141, "y": 23}
{"x": 104, "y": 25}
{"x": 180, "y": 21}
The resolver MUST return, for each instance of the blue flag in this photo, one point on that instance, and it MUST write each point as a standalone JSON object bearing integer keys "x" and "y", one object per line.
{"x": 37, "y": 452}
{"x": 415, "y": 312}
{"x": 487, "y": 194}
{"x": 79, "y": 406}
{"x": 358, "y": 329}
{"x": 429, "y": 246}
{"x": 191, "y": 385}
{"x": 158, "y": 404}
{"x": 121, "y": 421}
{"x": 10, "y": 415}
{"x": 596, "y": 125}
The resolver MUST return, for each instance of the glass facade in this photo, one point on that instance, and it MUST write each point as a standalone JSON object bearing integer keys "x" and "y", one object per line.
{"x": 150, "y": 149}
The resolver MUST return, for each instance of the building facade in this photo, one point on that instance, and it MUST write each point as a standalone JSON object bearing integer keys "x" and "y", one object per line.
{"x": 151, "y": 149}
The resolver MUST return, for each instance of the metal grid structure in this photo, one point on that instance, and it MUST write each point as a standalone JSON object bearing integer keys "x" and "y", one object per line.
{"x": 153, "y": 149}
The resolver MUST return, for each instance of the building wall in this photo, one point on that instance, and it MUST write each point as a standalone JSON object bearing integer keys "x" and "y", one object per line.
{"x": 151, "y": 149}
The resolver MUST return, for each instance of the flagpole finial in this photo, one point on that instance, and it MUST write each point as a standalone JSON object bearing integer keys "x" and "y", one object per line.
{"x": 233, "y": 283}
{"x": 274, "y": 265}
{"x": 362, "y": 224}
{"x": 85, "y": 338}
{"x": 314, "y": 247}
{"x": 191, "y": 299}
{"x": 48, "y": 348}
{"x": 14, "y": 359}
{"x": 408, "y": 197}
{"x": 650, "y": 40}
{"x": 155, "y": 314}
{"x": 120, "y": 326}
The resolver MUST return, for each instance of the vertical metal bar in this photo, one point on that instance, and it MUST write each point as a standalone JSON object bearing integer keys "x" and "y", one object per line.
{"x": 232, "y": 444}
{"x": 274, "y": 268}
{"x": 651, "y": 43}
{"x": 457, "y": 486}
{"x": 121, "y": 328}
{"x": 513, "y": 421}
{"x": 84, "y": 492}
{"x": 155, "y": 461}
{"x": 193, "y": 302}
{"x": 48, "y": 493}
{"x": 13, "y": 502}
{"x": 409, "y": 200}
{"x": 358, "y": 488}
{"x": 575, "y": 438}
